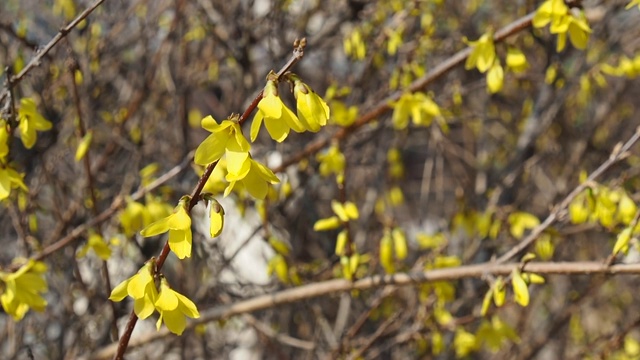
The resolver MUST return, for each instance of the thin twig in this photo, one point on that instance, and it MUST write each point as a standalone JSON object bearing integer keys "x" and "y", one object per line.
{"x": 62, "y": 33}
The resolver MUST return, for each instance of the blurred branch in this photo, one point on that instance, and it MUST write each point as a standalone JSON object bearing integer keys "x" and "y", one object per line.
{"x": 618, "y": 153}
{"x": 334, "y": 286}
{"x": 62, "y": 33}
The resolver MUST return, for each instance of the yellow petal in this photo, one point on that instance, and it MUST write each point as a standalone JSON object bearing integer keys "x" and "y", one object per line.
{"x": 119, "y": 292}
{"x": 238, "y": 165}
{"x": 327, "y": 224}
{"x": 520, "y": 288}
{"x": 167, "y": 300}
{"x": 255, "y": 125}
{"x": 83, "y": 147}
{"x": 180, "y": 243}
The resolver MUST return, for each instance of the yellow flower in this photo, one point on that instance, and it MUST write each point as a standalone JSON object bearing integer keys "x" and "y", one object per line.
{"x": 558, "y": 14}
{"x": 178, "y": 225}
{"x": 10, "y": 179}
{"x": 313, "y": 112}
{"x": 216, "y": 215}
{"x": 173, "y": 307}
{"x": 483, "y": 54}
{"x": 226, "y": 136}
{"x": 141, "y": 287}
{"x": 344, "y": 213}
{"x": 23, "y": 289}
{"x": 495, "y": 78}
{"x": 30, "y": 121}
{"x": 256, "y": 178}
{"x": 633, "y": 3}
{"x": 278, "y": 119}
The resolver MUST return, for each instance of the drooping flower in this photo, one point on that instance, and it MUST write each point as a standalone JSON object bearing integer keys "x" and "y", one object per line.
{"x": 30, "y": 121}
{"x": 278, "y": 118}
{"x": 23, "y": 289}
{"x": 141, "y": 287}
{"x": 216, "y": 215}
{"x": 174, "y": 308}
{"x": 178, "y": 225}
{"x": 256, "y": 179}
{"x": 313, "y": 111}
{"x": 226, "y": 136}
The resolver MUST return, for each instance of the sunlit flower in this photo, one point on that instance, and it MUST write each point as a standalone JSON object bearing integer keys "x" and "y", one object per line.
{"x": 141, "y": 287}
{"x": 313, "y": 112}
{"x": 226, "y": 136}
{"x": 256, "y": 179}
{"x": 174, "y": 308}
{"x": 278, "y": 119}
{"x": 178, "y": 225}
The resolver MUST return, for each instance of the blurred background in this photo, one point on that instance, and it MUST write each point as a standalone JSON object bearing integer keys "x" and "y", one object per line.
{"x": 147, "y": 72}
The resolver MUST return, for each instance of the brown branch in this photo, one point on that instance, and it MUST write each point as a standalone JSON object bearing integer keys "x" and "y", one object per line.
{"x": 419, "y": 84}
{"x": 332, "y": 287}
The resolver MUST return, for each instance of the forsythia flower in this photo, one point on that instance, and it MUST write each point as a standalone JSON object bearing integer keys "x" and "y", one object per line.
{"x": 226, "y": 136}
{"x": 344, "y": 213}
{"x": 278, "y": 119}
{"x": 313, "y": 112}
{"x": 179, "y": 226}
{"x": 483, "y": 54}
{"x": 30, "y": 121}
{"x": 254, "y": 176}
{"x": 417, "y": 105}
{"x": 22, "y": 289}
{"x": 10, "y": 179}
{"x": 558, "y": 14}
{"x": 216, "y": 216}
{"x": 141, "y": 287}
{"x": 173, "y": 307}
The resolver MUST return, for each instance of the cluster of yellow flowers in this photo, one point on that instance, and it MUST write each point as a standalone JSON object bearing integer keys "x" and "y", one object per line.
{"x": 172, "y": 306}
{"x": 229, "y": 150}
